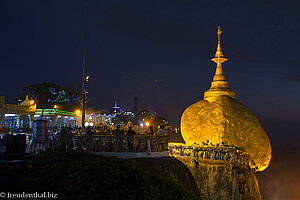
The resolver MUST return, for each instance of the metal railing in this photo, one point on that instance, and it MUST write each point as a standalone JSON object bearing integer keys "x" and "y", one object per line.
{"x": 114, "y": 143}
{"x": 222, "y": 153}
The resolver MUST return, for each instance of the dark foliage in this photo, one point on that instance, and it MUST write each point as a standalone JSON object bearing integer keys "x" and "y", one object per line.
{"x": 81, "y": 175}
{"x": 41, "y": 93}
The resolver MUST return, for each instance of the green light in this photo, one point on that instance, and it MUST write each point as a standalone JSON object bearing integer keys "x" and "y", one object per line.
{"x": 53, "y": 112}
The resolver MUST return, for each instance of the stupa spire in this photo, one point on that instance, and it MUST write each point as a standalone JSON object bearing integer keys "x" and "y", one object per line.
{"x": 219, "y": 59}
{"x": 219, "y": 51}
{"x": 219, "y": 85}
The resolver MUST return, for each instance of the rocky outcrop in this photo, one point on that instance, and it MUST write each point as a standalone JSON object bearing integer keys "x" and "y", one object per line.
{"x": 174, "y": 168}
{"x": 221, "y": 180}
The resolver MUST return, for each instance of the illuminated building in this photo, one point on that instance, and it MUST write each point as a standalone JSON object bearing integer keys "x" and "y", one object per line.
{"x": 221, "y": 119}
{"x": 56, "y": 117}
{"x": 20, "y": 116}
{"x": 117, "y": 109}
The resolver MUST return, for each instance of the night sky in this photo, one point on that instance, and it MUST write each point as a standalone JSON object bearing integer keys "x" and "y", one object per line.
{"x": 160, "y": 51}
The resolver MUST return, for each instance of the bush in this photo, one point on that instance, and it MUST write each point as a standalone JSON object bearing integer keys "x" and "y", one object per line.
{"x": 81, "y": 175}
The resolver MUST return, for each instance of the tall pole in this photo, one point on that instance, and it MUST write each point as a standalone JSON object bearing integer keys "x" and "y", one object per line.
{"x": 83, "y": 73}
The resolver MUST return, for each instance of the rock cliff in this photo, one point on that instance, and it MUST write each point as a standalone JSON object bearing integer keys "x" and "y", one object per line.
{"x": 222, "y": 180}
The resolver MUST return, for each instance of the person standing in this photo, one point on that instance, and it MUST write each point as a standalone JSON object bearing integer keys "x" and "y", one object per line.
{"x": 151, "y": 132}
{"x": 119, "y": 137}
{"x": 161, "y": 130}
{"x": 130, "y": 138}
{"x": 62, "y": 135}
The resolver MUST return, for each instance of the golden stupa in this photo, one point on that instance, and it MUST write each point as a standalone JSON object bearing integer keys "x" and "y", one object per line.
{"x": 220, "y": 118}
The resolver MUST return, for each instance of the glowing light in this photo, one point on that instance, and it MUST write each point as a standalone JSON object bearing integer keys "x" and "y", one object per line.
{"x": 55, "y": 106}
{"x": 77, "y": 111}
{"x": 147, "y": 124}
{"x": 31, "y": 102}
{"x": 86, "y": 124}
{"x": 141, "y": 124}
{"x": 10, "y": 115}
{"x": 62, "y": 97}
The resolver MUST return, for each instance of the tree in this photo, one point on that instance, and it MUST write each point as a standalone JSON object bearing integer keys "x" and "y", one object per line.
{"x": 46, "y": 95}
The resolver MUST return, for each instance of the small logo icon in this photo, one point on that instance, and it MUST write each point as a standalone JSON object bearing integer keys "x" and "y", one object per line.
{"x": 2, "y": 194}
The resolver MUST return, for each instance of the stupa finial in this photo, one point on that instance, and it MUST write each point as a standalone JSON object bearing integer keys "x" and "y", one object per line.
{"x": 219, "y": 55}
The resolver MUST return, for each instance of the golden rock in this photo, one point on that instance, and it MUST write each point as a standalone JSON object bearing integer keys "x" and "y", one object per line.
{"x": 226, "y": 120}
{"x": 220, "y": 118}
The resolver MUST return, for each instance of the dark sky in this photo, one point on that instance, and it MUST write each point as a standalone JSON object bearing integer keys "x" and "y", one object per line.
{"x": 130, "y": 44}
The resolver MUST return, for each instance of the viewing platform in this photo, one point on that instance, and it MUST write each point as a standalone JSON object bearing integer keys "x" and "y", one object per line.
{"x": 206, "y": 153}
{"x": 118, "y": 145}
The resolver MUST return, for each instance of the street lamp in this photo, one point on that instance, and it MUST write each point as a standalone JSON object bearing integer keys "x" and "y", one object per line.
{"x": 83, "y": 74}
{"x": 87, "y": 78}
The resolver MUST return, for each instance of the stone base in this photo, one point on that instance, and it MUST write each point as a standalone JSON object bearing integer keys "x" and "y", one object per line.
{"x": 221, "y": 180}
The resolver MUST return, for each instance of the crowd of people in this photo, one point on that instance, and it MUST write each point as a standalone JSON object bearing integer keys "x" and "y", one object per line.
{"x": 72, "y": 137}
{"x": 14, "y": 129}
{"x": 103, "y": 129}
